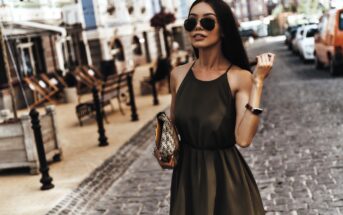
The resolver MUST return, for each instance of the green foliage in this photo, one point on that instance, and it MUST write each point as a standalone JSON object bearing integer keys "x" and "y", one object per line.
{"x": 309, "y": 7}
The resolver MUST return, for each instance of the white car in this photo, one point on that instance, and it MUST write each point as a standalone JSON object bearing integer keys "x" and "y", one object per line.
{"x": 297, "y": 38}
{"x": 306, "y": 43}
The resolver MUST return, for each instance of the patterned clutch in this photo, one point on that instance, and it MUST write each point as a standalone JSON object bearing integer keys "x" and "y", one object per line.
{"x": 167, "y": 138}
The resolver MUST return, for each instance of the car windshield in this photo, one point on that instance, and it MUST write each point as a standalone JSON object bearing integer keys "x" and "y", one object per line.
{"x": 341, "y": 20}
{"x": 311, "y": 32}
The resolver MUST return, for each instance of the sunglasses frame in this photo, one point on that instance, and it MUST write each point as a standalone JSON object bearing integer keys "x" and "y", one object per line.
{"x": 202, "y": 24}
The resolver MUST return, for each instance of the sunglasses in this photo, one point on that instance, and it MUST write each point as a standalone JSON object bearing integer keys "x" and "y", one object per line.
{"x": 206, "y": 23}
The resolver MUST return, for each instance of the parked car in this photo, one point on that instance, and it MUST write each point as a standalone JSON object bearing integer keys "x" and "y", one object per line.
{"x": 297, "y": 38}
{"x": 329, "y": 42}
{"x": 247, "y": 33}
{"x": 290, "y": 35}
{"x": 306, "y": 43}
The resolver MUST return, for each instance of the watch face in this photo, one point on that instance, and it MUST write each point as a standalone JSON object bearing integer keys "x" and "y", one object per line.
{"x": 257, "y": 111}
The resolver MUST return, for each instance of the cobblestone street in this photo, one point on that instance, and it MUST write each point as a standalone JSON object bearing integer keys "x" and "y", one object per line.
{"x": 296, "y": 156}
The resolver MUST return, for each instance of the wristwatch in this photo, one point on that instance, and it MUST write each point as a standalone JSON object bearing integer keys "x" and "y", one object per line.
{"x": 256, "y": 111}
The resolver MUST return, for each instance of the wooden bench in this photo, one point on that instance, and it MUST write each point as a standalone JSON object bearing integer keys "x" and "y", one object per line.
{"x": 42, "y": 90}
{"x": 113, "y": 87}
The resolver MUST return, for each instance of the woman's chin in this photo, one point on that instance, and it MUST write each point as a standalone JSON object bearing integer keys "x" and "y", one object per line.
{"x": 203, "y": 44}
{"x": 197, "y": 44}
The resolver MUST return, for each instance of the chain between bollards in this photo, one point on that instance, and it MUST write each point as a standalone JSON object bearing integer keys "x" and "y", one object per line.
{"x": 153, "y": 86}
{"x": 43, "y": 164}
{"x": 99, "y": 118}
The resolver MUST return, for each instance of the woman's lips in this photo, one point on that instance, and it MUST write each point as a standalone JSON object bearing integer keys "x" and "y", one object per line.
{"x": 198, "y": 37}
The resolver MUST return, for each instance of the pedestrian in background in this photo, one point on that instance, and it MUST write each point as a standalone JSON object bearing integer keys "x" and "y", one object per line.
{"x": 215, "y": 105}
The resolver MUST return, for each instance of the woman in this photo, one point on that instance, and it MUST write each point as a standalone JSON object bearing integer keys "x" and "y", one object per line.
{"x": 209, "y": 108}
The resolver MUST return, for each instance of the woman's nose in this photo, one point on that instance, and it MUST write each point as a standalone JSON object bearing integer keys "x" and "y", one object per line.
{"x": 198, "y": 26}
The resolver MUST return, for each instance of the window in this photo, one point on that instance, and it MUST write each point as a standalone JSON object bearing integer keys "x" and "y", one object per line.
{"x": 323, "y": 27}
{"x": 3, "y": 77}
{"x": 118, "y": 50}
{"x": 27, "y": 61}
{"x": 136, "y": 46}
{"x": 70, "y": 61}
{"x": 311, "y": 32}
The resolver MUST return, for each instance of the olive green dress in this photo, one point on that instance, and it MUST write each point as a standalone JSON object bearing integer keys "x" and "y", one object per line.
{"x": 212, "y": 177}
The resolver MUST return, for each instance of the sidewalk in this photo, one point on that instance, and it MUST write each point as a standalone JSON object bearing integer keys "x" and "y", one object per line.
{"x": 20, "y": 191}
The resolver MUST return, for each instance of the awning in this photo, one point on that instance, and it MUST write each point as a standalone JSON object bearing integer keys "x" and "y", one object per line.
{"x": 30, "y": 29}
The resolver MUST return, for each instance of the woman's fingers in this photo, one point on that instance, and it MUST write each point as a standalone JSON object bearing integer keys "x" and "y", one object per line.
{"x": 259, "y": 60}
{"x": 271, "y": 57}
{"x": 266, "y": 59}
{"x": 169, "y": 164}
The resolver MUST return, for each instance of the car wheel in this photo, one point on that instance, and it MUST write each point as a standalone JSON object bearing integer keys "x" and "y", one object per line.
{"x": 319, "y": 65}
{"x": 334, "y": 70}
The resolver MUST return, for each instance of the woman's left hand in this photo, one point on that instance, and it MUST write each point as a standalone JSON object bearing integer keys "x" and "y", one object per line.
{"x": 264, "y": 65}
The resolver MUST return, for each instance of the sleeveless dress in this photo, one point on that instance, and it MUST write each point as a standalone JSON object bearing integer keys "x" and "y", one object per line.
{"x": 211, "y": 177}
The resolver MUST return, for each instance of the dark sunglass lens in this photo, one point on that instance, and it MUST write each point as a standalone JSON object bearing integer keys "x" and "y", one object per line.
{"x": 190, "y": 24}
{"x": 207, "y": 23}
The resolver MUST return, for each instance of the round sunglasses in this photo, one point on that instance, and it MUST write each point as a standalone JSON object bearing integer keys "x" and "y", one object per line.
{"x": 206, "y": 23}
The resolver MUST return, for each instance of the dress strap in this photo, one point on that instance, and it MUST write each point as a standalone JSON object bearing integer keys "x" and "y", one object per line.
{"x": 228, "y": 69}
{"x": 192, "y": 65}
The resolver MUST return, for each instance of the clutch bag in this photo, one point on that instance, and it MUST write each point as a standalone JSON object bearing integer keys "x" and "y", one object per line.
{"x": 167, "y": 138}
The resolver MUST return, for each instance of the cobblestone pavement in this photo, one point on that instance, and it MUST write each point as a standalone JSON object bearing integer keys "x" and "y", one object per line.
{"x": 296, "y": 157}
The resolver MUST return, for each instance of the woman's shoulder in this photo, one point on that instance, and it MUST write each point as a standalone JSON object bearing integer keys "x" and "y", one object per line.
{"x": 240, "y": 73}
{"x": 181, "y": 70}
{"x": 239, "y": 78}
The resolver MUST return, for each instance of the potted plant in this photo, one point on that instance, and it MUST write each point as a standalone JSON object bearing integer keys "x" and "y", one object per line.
{"x": 161, "y": 20}
{"x": 71, "y": 90}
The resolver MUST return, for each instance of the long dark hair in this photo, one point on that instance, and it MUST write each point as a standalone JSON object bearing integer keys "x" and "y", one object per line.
{"x": 231, "y": 43}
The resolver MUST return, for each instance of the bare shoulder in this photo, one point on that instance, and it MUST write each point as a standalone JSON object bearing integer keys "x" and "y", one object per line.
{"x": 240, "y": 78}
{"x": 179, "y": 73}
{"x": 181, "y": 70}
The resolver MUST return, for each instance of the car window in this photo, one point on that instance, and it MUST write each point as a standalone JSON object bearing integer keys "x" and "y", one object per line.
{"x": 341, "y": 20}
{"x": 311, "y": 32}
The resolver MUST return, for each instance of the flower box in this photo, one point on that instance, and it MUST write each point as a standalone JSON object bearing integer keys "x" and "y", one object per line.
{"x": 17, "y": 143}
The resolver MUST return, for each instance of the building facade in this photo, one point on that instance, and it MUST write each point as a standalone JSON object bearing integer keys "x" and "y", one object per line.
{"x": 41, "y": 37}
{"x": 55, "y": 36}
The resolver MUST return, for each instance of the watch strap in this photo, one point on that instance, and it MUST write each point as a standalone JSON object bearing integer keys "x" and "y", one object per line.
{"x": 256, "y": 111}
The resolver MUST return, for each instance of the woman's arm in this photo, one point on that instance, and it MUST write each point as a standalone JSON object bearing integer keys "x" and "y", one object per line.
{"x": 250, "y": 91}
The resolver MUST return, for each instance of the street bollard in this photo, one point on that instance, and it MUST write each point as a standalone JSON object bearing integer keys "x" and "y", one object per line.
{"x": 43, "y": 165}
{"x": 99, "y": 118}
{"x": 134, "y": 115}
{"x": 153, "y": 86}
{"x": 146, "y": 45}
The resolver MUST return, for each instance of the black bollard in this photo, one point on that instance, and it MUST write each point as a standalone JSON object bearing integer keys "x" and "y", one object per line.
{"x": 43, "y": 164}
{"x": 146, "y": 45}
{"x": 99, "y": 118}
{"x": 153, "y": 86}
{"x": 134, "y": 115}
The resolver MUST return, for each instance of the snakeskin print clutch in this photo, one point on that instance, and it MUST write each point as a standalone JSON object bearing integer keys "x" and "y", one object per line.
{"x": 167, "y": 138}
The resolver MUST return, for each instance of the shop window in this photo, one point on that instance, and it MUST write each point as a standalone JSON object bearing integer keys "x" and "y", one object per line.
{"x": 26, "y": 58}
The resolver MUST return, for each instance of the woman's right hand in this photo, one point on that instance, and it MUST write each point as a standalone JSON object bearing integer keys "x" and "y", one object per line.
{"x": 164, "y": 165}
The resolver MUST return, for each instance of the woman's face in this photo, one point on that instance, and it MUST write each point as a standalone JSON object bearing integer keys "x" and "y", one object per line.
{"x": 200, "y": 37}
